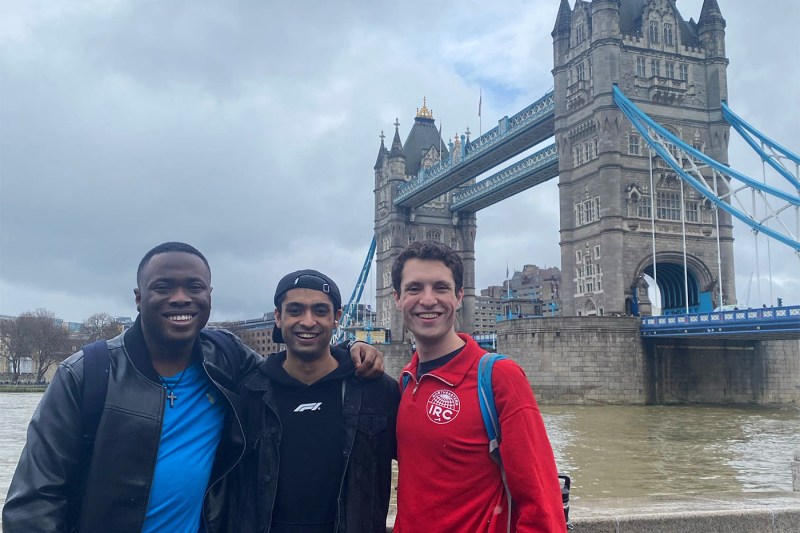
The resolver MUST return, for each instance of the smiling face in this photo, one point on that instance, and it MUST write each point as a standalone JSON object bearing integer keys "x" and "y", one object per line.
{"x": 429, "y": 301}
{"x": 174, "y": 299}
{"x": 307, "y": 320}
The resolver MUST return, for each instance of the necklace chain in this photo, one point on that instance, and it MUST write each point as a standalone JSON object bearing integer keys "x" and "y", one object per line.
{"x": 171, "y": 388}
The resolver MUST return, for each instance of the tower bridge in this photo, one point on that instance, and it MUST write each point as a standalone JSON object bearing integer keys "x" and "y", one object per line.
{"x": 640, "y": 132}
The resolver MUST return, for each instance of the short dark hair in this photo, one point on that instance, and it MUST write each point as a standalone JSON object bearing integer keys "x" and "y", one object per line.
{"x": 431, "y": 251}
{"x": 166, "y": 248}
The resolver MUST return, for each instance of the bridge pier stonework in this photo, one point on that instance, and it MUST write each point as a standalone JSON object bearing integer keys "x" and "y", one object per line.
{"x": 579, "y": 360}
{"x": 586, "y": 360}
{"x": 736, "y": 371}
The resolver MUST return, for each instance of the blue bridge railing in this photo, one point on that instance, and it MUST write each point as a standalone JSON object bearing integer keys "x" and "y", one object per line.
{"x": 745, "y": 321}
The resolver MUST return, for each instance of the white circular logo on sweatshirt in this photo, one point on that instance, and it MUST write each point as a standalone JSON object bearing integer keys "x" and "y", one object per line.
{"x": 443, "y": 406}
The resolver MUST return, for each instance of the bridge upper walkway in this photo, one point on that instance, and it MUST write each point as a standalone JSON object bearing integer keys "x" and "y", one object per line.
{"x": 522, "y": 175}
{"x": 766, "y": 322}
{"x": 509, "y": 138}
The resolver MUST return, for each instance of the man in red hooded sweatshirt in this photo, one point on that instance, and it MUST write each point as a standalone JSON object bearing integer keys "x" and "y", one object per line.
{"x": 447, "y": 480}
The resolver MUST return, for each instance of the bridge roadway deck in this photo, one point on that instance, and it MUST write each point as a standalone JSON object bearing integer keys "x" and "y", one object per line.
{"x": 761, "y": 323}
{"x": 753, "y": 512}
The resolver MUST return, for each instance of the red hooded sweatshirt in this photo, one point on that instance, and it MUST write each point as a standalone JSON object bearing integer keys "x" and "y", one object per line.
{"x": 447, "y": 480}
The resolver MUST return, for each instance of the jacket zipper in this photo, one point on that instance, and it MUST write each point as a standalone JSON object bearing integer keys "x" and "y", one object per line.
{"x": 418, "y": 381}
{"x": 163, "y": 400}
{"x": 278, "y": 466}
{"x": 241, "y": 432}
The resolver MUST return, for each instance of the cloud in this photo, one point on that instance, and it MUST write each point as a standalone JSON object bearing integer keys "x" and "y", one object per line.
{"x": 249, "y": 129}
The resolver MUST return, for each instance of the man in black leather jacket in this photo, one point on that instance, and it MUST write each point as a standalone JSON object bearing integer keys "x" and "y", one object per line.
{"x": 147, "y": 413}
{"x": 320, "y": 440}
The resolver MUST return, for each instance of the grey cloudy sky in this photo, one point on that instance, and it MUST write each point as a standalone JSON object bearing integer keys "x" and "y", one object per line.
{"x": 249, "y": 129}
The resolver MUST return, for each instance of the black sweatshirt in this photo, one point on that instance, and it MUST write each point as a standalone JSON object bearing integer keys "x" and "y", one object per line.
{"x": 311, "y": 458}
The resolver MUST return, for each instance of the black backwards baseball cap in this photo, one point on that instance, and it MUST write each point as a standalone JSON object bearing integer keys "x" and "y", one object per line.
{"x": 305, "y": 279}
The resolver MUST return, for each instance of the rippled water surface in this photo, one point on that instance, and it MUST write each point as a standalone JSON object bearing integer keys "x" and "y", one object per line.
{"x": 15, "y": 411}
{"x": 624, "y": 451}
{"x": 610, "y": 451}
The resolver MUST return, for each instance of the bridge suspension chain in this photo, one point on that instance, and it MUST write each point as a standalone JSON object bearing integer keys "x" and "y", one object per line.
{"x": 687, "y": 162}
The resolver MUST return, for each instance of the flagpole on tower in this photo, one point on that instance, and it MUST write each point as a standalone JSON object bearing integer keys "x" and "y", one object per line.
{"x": 480, "y": 120}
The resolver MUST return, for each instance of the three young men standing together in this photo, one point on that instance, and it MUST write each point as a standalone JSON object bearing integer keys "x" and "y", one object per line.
{"x": 296, "y": 442}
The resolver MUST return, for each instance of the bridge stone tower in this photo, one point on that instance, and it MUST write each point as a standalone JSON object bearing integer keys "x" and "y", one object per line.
{"x": 396, "y": 227}
{"x": 676, "y": 72}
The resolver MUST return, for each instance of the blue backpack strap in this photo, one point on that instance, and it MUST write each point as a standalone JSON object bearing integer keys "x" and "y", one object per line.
{"x": 96, "y": 362}
{"x": 486, "y": 400}
{"x": 406, "y": 379}
{"x": 490, "y": 418}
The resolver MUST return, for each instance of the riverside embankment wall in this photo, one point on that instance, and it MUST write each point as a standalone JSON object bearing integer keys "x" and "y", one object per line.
{"x": 588, "y": 360}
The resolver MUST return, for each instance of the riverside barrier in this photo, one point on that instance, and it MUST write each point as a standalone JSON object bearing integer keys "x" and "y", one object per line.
{"x": 754, "y": 512}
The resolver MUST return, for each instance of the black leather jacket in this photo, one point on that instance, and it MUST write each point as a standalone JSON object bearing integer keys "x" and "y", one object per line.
{"x": 370, "y": 412}
{"x": 46, "y": 494}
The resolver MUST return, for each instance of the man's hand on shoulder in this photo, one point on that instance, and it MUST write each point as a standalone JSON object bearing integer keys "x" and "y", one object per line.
{"x": 367, "y": 359}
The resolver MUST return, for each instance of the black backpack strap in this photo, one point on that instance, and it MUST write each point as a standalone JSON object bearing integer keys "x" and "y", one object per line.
{"x": 96, "y": 362}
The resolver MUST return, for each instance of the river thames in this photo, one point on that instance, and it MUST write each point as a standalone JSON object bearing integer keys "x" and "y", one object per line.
{"x": 609, "y": 451}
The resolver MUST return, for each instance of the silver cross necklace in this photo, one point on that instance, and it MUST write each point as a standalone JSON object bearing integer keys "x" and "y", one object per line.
{"x": 171, "y": 388}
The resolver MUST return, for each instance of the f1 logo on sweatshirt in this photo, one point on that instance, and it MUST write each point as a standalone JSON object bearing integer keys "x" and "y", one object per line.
{"x": 308, "y": 407}
{"x": 443, "y": 406}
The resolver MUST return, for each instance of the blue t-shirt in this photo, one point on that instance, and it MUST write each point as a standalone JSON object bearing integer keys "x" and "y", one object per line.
{"x": 190, "y": 433}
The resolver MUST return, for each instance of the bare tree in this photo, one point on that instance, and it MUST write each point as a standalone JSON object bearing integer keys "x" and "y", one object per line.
{"x": 49, "y": 341}
{"x": 14, "y": 346}
{"x": 101, "y": 326}
{"x": 36, "y": 335}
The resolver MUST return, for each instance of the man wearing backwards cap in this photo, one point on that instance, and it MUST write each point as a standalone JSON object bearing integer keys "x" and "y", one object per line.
{"x": 321, "y": 441}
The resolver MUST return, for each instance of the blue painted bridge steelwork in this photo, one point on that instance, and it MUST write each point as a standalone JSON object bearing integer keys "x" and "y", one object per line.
{"x": 511, "y": 137}
{"x": 766, "y": 322}
{"x": 522, "y": 175}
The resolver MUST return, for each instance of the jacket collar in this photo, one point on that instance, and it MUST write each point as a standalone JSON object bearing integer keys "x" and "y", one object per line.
{"x": 271, "y": 370}
{"x": 133, "y": 341}
{"x": 456, "y": 370}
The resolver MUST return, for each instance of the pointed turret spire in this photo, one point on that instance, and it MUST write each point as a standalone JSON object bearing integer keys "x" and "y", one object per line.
{"x": 397, "y": 146}
{"x": 564, "y": 19}
{"x": 382, "y": 153}
{"x": 710, "y": 13}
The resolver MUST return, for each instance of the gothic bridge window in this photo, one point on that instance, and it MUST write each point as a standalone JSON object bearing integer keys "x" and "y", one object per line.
{"x": 587, "y": 211}
{"x": 580, "y": 33}
{"x": 634, "y": 144}
{"x": 653, "y": 32}
{"x": 433, "y": 236}
{"x": 585, "y": 143}
{"x": 668, "y": 202}
{"x": 641, "y": 69}
{"x": 588, "y": 275}
{"x": 668, "y": 40}
{"x": 655, "y": 68}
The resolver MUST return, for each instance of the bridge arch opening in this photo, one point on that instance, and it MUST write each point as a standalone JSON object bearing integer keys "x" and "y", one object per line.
{"x": 589, "y": 308}
{"x": 669, "y": 288}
